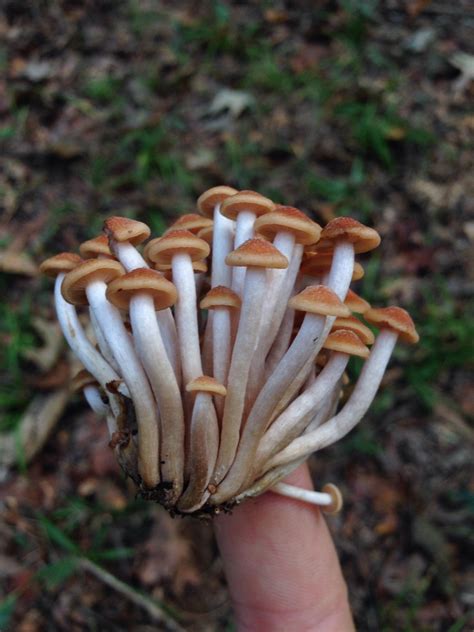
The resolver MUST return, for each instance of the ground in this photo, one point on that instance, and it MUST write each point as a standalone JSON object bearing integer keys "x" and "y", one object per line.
{"x": 135, "y": 108}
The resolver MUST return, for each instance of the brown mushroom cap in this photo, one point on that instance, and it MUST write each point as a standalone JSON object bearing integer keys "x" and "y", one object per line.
{"x": 288, "y": 219}
{"x": 208, "y": 200}
{"x": 396, "y": 319}
{"x": 82, "y": 379}
{"x": 192, "y": 222}
{"x": 220, "y": 296}
{"x": 207, "y": 234}
{"x": 142, "y": 281}
{"x": 363, "y": 237}
{"x": 97, "y": 246}
{"x": 354, "y": 324}
{"x": 337, "y": 501}
{"x": 346, "y": 341}
{"x": 163, "y": 249}
{"x": 75, "y": 282}
{"x": 125, "y": 229}
{"x": 319, "y": 299}
{"x": 63, "y": 262}
{"x": 206, "y": 384}
{"x": 257, "y": 253}
{"x": 356, "y": 303}
{"x": 246, "y": 201}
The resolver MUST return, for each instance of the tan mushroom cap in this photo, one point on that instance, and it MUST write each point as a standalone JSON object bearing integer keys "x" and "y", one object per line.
{"x": 75, "y": 282}
{"x": 207, "y": 234}
{"x": 162, "y": 249}
{"x": 257, "y": 253}
{"x": 354, "y": 324}
{"x": 246, "y": 201}
{"x": 396, "y": 319}
{"x": 82, "y": 379}
{"x": 356, "y": 303}
{"x": 192, "y": 222}
{"x": 319, "y": 299}
{"x": 63, "y": 262}
{"x": 288, "y": 219}
{"x": 363, "y": 237}
{"x": 94, "y": 247}
{"x": 124, "y": 229}
{"x": 210, "y": 198}
{"x": 346, "y": 341}
{"x": 206, "y": 384}
{"x": 220, "y": 296}
{"x": 142, "y": 281}
{"x": 337, "y": 500}
{"x": 320, "y": 263}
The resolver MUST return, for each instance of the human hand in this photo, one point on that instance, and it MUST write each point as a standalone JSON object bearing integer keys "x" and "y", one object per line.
{"x": 281, "y": 565}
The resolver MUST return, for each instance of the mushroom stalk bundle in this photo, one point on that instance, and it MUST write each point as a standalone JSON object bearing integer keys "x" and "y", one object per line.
{"x": 218, "y": 351}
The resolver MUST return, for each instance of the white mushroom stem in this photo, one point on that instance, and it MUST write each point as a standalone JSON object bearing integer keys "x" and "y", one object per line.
{"x": 204, "y": 445}
{"x": 93, "y": 398}
{"x": 102, "y": 342}
{"x": 280, "y": 287}
{"x": 80, "y": 343}
{"x": 268, "y": 480}
{"x": 342, "y": 267}
{"x": 326, "y": 411}
{"x": 221, "y": 343}
{"x": 243, "y": 231}
{"x": 239, "y": 369}
{"x": 307, "y": 344}
{"x": 146, "y": 412}
{"x": 152, "y": 353}
{"x": 131, "y": 259}
{"x": 281, "y": 342}
{"x": 222, "y": 244}
{"x": 186, "y": 316}
{"x": 290, "y": 421}
{"x": 320, "y": 499}
{"x": 355, "y": 408}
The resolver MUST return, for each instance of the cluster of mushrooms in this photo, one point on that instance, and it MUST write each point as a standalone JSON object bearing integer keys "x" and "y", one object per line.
{"x": 217, "y": 353}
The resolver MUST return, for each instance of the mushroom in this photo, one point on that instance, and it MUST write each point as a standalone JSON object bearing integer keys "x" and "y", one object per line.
{"x": 244, "y": 207}
{"x": 256, "y": 256}
{"x": 181, "y": 248}
{"x": 86, "y": 284}
{"x": 204, "y": 441}
{"x": 143, "y": 292}
{"x": 85, "y": 382}
{"x": 394, "y": 322}
{"x": 329, "y": 498}
{"x": 318, "y": 302}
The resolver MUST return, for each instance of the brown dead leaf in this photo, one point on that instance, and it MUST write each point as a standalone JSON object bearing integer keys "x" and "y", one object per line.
{"x": 18, "y": 263}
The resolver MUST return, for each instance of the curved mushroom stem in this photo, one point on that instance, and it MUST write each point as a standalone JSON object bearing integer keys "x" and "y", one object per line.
{"x": 82, "y": 346}
{"x": 93, "y": 398}
{"x": 326, "y": 410}
{"x": 342, "y": 267}
{"x": 186, "y": 316}
{"x": 355, "y": 408}
{"x": 243, "y": 231}
{"x": 131, "y": 259}
{"x": 320, "y": 499}
{"x": 204, "y": 445}
{"x": 281, "y": 342}
{"x": 102, "y": 342}
{"x": 146, "y": 411}
{"x": 239, "y": 370}
{"x": 152, "y": 353}
{"x": 292, "y": 420}
{"x": 222, "y": 244}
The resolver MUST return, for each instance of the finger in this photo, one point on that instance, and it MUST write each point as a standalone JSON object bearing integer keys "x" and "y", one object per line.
{"x": 281, "y": 565}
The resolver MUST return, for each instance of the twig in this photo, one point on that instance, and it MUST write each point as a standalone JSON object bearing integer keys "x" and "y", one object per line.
{"x": 152, "y": 608}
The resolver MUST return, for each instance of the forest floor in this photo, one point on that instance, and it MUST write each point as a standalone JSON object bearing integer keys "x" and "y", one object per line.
{"x": 135, "y": 108}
